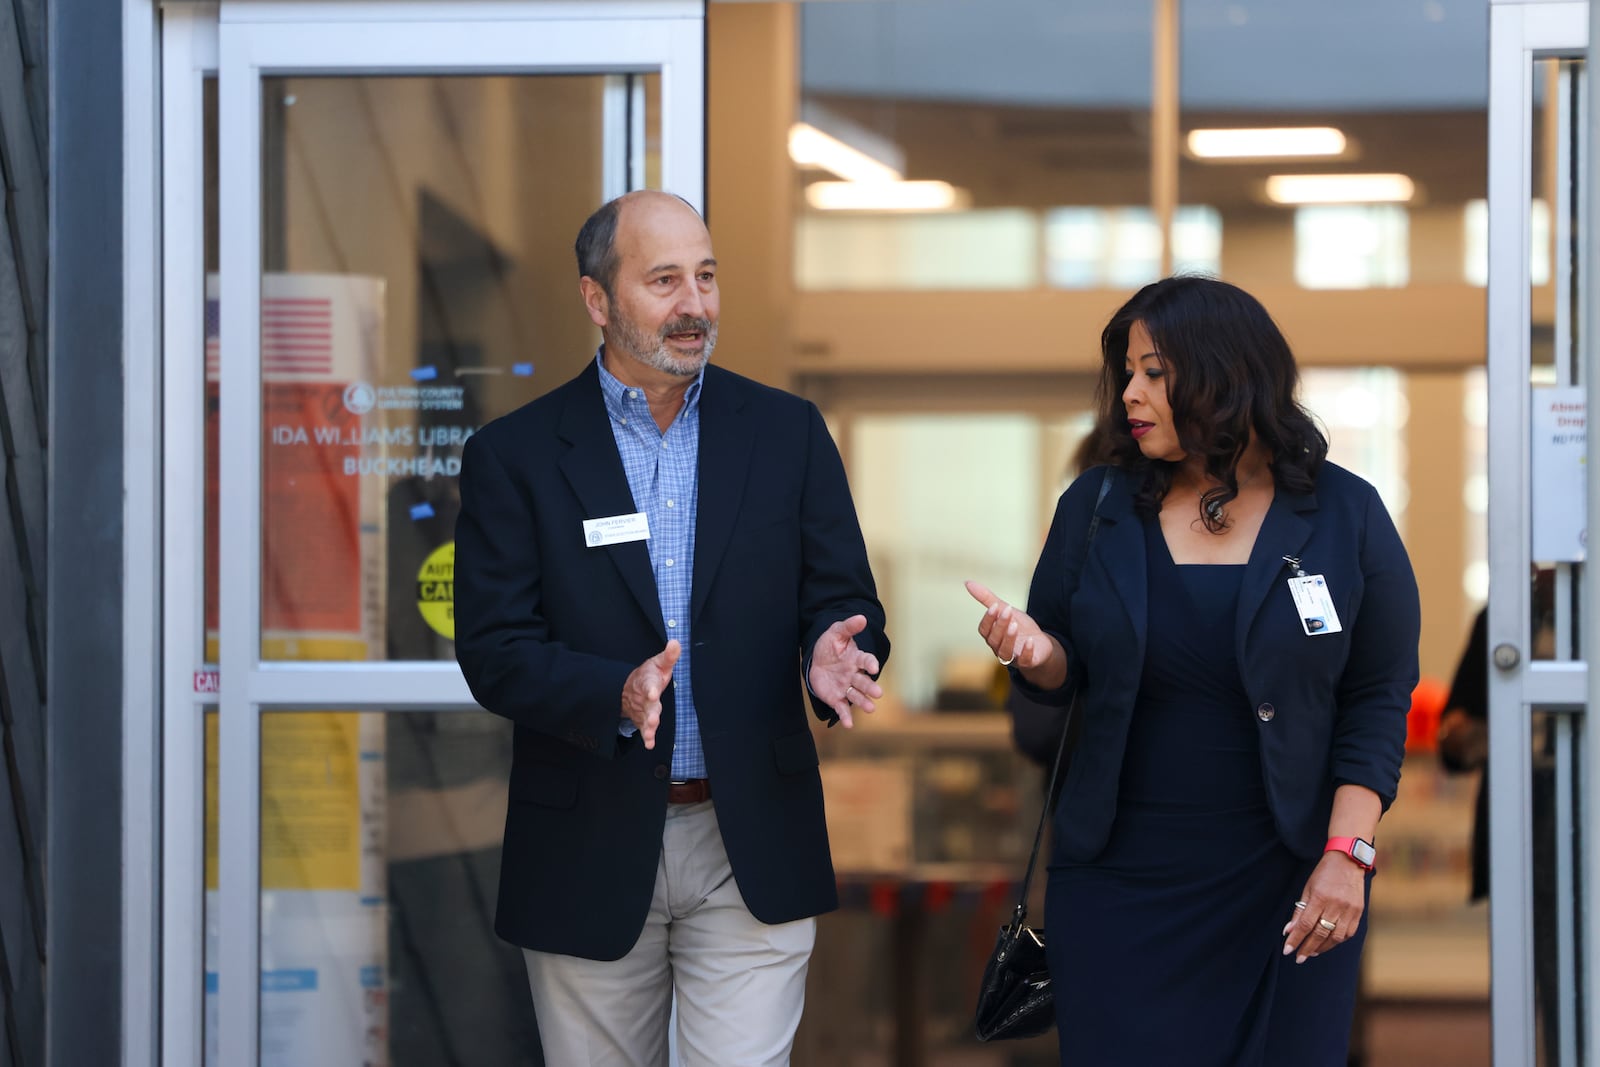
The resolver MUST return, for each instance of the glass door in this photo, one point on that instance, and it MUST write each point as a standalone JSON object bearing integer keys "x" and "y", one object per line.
{"x": 373, "y": 258}
{"x": 1541, "y": 752}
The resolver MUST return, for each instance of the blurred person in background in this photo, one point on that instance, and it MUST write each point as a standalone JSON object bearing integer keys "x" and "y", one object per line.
{"x": 1244, "y": 628}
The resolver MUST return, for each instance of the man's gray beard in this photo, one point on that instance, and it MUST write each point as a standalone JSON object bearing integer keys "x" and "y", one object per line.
{"x": 663, "y": 359}
{"x": 654, "y": 353}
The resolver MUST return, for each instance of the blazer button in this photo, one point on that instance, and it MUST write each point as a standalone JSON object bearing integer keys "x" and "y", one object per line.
{"x": 662, "y": 771}
{"x": 1265, "y": 712}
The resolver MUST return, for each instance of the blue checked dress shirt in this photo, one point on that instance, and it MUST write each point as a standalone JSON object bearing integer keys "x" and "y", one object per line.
{"x": 663, "y": 472}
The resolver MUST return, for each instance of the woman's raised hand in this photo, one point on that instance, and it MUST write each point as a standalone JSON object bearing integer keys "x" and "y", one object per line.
{"x": 1013, "y": 637}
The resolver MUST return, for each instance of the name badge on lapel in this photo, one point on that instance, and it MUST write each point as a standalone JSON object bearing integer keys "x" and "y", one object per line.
{"x": 616, "y": 530}
{"x": 1314, "y": 605}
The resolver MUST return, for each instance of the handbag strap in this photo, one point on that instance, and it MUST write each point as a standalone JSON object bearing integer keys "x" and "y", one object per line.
{"x": 1066, "y": 730}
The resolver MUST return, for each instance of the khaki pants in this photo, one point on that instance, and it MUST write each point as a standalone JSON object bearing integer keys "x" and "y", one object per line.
{"x": 740, "y": 984}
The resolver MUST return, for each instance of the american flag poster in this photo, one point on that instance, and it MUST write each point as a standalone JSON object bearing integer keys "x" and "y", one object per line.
{"x": 321, "y": 335}
{"x": 314, "y": 327}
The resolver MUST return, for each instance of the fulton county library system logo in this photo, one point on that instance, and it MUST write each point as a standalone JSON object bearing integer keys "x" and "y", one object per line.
{"x": 359, "y": 397}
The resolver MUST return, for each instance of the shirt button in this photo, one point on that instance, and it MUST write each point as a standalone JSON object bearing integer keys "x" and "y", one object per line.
{"x": 623, "y": 421}
{"x": 669, "y": 563}
{"x": 672, "y": 503}
{"x": 662, "y": 770}
{"x": 1265, "y": 712}
{"x": 633, "y": 394}
{"x": 672, "y": 624}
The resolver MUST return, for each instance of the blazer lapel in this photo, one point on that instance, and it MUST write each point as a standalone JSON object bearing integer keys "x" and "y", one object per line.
{"x": 1119, "y": 545}
{"x": 727, "y": 434}
{"x": 1284, "y": 532}
{"x": 593, "y": 467}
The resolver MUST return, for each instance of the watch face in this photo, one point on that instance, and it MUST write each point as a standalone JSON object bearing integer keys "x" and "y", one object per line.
{"x": 1363, "y": 852}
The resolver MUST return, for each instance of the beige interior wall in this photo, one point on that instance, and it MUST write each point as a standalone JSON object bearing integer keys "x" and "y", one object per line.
{"x": 751, "y": 82}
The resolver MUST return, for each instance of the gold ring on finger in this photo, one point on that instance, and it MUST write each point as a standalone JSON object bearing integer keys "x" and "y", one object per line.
{"x": 1327, "y": 924}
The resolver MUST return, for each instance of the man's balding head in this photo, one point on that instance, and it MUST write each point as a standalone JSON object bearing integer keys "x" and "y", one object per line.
{"x": 598, "y": 256}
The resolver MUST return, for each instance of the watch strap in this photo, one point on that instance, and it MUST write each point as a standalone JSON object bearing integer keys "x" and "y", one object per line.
{"x": 1349, "y": 846}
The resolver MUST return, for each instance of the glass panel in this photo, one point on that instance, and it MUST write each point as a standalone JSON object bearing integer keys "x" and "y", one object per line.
{"x": 418, "y": 281}
{"x": 1355, "y": 104}
{"x": 1120, "y": 248}
{"x": 211, "y": 236}
{"x": 210, "y": 922}
{"x": 965, "y": 125}
{"x": 1352, "y": 246}
{"x": 929, "y": 826}
{"x": 1364, "y": 413}
{"x": 380, "y": 853}
{"x": 212, "y": 336}
{"x": 1556, "y": 882}
{"x": 929, "y": 526}
{"x": 996, "y": 249}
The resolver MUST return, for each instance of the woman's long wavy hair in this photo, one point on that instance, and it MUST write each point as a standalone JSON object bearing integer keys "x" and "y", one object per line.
{"x": 1230, "y": 371}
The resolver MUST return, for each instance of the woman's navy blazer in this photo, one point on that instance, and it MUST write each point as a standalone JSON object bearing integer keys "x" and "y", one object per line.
{"x": 1330, "y": 708}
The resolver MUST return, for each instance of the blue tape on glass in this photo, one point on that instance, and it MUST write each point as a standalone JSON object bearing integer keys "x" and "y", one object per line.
{"x": 421, "y": 511}
{"x": 289, "y": 981}
{"x": 425, "y": 374}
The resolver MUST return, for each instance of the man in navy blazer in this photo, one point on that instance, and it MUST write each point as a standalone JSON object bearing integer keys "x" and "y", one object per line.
{"x": 651, "y": 561}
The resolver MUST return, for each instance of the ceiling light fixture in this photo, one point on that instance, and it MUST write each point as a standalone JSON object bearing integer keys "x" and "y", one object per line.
{"x": 810, "y": 147}
{"x": 1267, "y": 143}
{"x": 1340, "y": 188}
{"x": 885, "y": 196}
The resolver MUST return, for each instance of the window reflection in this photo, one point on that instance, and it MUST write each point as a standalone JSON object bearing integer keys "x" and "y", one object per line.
{"x": 1364, "y": 412}
{"x": 1120, "y": 248}
{"x": 1352, "y": 246}
{"x": 936, "y": 509}
{"x": 995, "y": 249}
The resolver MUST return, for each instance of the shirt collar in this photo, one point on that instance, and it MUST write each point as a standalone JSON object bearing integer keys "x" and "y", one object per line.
{"x": 616, "y": 394}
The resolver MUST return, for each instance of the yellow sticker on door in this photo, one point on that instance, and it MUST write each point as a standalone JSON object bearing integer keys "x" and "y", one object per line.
{"x": 436, "y": 590}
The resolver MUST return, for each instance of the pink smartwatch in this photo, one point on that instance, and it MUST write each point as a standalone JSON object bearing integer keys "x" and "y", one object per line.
{"x": 1357, "y": 848}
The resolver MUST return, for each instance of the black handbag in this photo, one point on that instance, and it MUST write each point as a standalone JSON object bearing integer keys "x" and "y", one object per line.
{"x": 1015, "y": 998}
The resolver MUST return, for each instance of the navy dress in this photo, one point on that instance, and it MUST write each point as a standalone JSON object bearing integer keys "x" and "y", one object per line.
{"x": 1167, "y": 949}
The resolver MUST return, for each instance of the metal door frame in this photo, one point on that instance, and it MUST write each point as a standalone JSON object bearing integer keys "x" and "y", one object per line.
{"x": 241, "y": 42}
{"x": 1520, "y": 34}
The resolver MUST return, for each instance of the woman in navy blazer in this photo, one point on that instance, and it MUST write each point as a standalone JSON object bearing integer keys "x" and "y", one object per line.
{"x": 1243, "y": 626}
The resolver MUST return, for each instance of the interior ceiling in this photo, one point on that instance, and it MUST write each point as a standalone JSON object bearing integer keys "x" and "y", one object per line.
{"x": 1013, "y": 156}
{"x": 1283, "y": 55}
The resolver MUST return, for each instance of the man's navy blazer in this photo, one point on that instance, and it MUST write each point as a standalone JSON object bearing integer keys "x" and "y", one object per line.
{"x": 1329, "y": 708}
{"x": 548, "y": 630}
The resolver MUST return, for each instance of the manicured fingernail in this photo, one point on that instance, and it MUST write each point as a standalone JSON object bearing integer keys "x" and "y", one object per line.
{"x": 1300, "y": 959}
{"x": 1287, "y": 949}
{"x": 1286, "y": 928}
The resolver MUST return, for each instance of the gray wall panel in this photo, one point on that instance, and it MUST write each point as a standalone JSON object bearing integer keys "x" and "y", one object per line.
{"x": 24, "y": 942}
{"x": 84, "y": 638}
{"x": 23, "y": 523}
{"x": 22, "y": 166}
{"x": 21, "y": 445}
{"x": 30, "y": 15}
